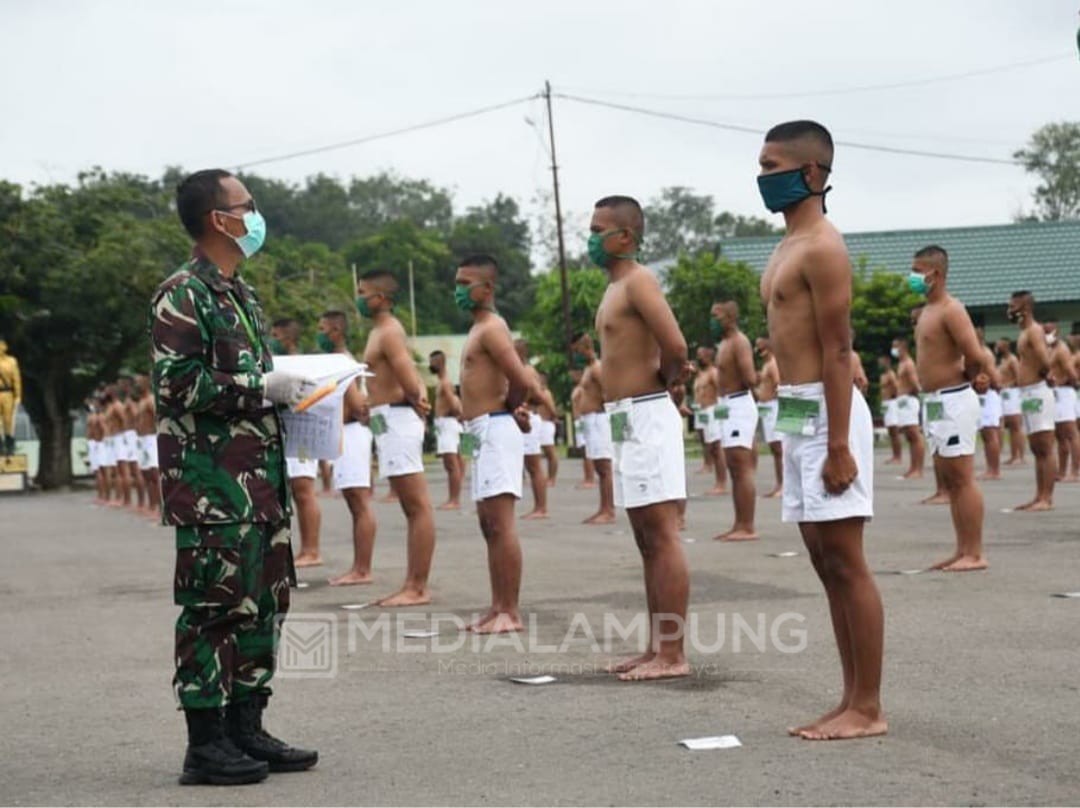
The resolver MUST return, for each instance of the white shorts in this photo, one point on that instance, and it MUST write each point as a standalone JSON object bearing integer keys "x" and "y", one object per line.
{"x": 1064, "y": 404}
{"x": 399, "y": 438}
{"x": 597, "y": 436}
{"x": 991, "y": 410}
{"x": 767, "y": 412}
{"x": 107, "y": 452}
{"x": 701, "y": 417}
{"x": 712, "y": 433}
{"x": 1010, "y": 401}
{"x": 353, "y": 468}
{"x": 547, "y": 433}
{"x": 579, "y": 433}
{"x": 738, "y": 418}
{"x": 890, "y": 412}
{"x": 907, "y": 411}
{"x": 805, "y": 498}
{"x": 127, "y": 446}
{"x": 299, "y": 469}
{"x": 649, "y": 464}
{"x": 148, "y": 458}
{"x": 1038, "y": 407}
{"x": 447, "y": 435}
{"x": 951, "y": 420}
{"x": 92, "y": 453}
{"x": 530, "y": 440}
{"x": 498, "y": 455}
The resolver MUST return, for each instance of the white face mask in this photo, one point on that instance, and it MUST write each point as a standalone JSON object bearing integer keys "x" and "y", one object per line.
{"x": 895, "y": 352}
{"x": 1051, "y": 339}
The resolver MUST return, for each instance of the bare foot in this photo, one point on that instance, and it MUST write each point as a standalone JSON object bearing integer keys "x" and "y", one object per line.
{"x": 115, "y": 503}
{"x": 912, "y": 475}
{"x": 737, "y": 535}
{"x": 943, "y": 564}
{"x": 351, "y": 578}
{"x": 600, "y": 519}
{"x": 1072, "y": 478}
{"x": 656, "y": 668}
{"x": 776, "y": 492}
{"x": 988, "y": 475}
{"x": 450, "y": 506}
{"x": 966, "y": 563}
{"x": 501, "y": 623}
{"x": 1026, "y": 506}
{"x": 304, "y": 560}
{"x": 1015, "y": 461}
{"x": 813, "y": 725}
{"x": 1040, "y": 505}
{"x": 893, "y": 461}
{"x": 716, "y": 491}
{"x": 584, "y": 484}
{"x": 405, "y": 597}
{"x": 551, "y": 482}
{"x": 849, "y": 724}
{"x": 935, "y": 499}
{"x": 536, "y": 515}
{"x": 631, "y": 663}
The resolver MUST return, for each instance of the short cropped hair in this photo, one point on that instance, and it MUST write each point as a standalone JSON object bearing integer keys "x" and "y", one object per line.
{"x": 799, "y": 130}
{"x": 337, "y": 318}
{"x": 384, "y": 280}
{"x": 198, "y": 194}
{"x": 629, "y": 211}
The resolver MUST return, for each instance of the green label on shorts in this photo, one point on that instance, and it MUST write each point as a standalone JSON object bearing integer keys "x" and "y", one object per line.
{"x": 620, "y": 426}
{"x": 903, "y": 403}
{"x": 1031, "y": 405}
{"x": 378, "y": 424}
{"x": 935, "y": 411}
{"x": 470, "y": 444}
{"x": 982, "y": 401}
{"x": 763, "y": 412}
{"x": 721, "y": 412}
{"x": 798, "y": 416}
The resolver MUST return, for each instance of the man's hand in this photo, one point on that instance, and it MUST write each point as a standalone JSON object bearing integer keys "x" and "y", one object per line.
{"x": 521, "y": 418}
{"x": 840, "y": 471}
{"x": 282, "y": 387}
{"x": 422, "y": 407}
{"x": 981, "y": 384}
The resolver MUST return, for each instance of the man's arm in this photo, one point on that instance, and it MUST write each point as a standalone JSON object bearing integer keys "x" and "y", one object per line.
{"x": 958, "y": 324}
{"x": 184, "y": 381}
{"x": 1036, "y": 339}
{"x": 404, "y": 369}
{"x": 356, "y": 404}
{"x": 744, "y": 363}
{"x": 453, "y": 401}
{"x": 644, "y": 293}
{"x": 500, "y": 347}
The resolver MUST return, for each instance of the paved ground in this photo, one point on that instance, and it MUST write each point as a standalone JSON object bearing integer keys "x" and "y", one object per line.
{"x": 981, "y": 669}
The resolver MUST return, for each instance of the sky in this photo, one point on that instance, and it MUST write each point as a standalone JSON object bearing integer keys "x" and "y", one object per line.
{"x": 138, "y": 86}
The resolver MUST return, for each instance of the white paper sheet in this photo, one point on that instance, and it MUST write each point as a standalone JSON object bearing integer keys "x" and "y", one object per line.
{"x": 711, "y": 742}
{"x": 316, "y": 433}
{"x": 532, "y": 680}
{"x": 352, "y": 607}
{"x": 420, "y": 634}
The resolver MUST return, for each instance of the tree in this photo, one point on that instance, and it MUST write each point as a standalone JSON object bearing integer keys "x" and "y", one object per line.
{"x": 1053, "y": 154}
{"x": 679, "y": 222}
{"x": 696, "y": 282}
{"x": 543, "y": 324}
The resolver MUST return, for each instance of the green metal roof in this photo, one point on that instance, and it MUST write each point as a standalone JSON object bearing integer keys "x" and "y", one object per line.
{"x": 986, "y": 264}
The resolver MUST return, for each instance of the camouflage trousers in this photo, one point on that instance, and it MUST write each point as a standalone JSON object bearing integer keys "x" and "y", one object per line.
{"x": 232, "y": 582}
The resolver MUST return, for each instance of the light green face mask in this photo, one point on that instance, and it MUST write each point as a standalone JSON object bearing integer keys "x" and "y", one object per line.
{"x": 326, "y": 345}
{"x": 600, "y": 256}
{"x": 463, "y": 297}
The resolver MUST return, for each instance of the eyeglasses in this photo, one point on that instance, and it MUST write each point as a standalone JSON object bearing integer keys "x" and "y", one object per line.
{"x": 249, "y": 206}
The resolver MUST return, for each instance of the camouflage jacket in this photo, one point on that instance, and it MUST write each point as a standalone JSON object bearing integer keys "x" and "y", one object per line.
{"x": 220, "y": 450}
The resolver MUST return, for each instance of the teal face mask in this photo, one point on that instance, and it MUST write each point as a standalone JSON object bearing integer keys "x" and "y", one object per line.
{"x": 363, "y": 308}
{"x": 580, "y": 360}
{"x": 598, "y": 255}
{"x": 276, "y": 346}
{"x": 463, "y": 297}
{"x": 326, "y": 345}
{"x": 916, "y": 281}
{"x": 781, "y": 190}
{"x": 251, "y": 242}
{"x": 716, "y": 329}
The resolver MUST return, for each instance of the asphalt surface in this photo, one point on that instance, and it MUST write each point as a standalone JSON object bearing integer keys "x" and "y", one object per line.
{"x": 981, "y": 675}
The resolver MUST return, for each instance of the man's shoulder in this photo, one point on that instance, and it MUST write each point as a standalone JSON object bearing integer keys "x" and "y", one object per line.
{"x": 181, "y": 281}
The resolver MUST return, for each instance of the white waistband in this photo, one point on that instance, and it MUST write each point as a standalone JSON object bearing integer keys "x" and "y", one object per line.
{"x": 1038, "y": 386}
{"x": 807, "y": 390}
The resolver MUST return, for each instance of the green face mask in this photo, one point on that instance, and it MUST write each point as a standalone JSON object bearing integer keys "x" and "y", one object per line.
{"x": 276, "y": 346}
{"x": 598, "y": 255}
{"x": 463, "y": 297}
{"x": 716, "y": 329}
{"x": 580, "y": 360}
{"x": 326, "y": 345}
{"x": 362, "y": 307}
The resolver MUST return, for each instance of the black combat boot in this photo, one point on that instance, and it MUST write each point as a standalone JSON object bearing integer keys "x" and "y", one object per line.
{"x": 213, "y": 758}
{"x": 243, "y": 724}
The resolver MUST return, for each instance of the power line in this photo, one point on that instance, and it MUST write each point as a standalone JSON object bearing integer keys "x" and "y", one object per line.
{"x": 757, "y": 131}
{"x": 391, "y": 133}
{"x": 865, "y": 88}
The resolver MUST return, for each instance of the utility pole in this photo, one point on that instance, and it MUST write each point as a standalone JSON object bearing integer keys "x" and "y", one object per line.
{"x": 563, "y": 280}
{"x": 412, "y": 300}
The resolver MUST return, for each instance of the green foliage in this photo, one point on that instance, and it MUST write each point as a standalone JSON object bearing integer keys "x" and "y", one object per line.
{"x": 696, "y": 282}
{"x": 544, "y": 328}
{"x": 1053, "y": 154}
{"x": 681, "y": 222}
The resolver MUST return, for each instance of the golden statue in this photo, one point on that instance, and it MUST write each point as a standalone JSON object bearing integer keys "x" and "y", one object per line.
{"x": 10, "y": 396}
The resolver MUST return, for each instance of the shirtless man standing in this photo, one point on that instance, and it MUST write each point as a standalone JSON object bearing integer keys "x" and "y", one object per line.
{"x": 597, "y": 429}
{"x": 950, "y": 356}
{"x": 131, "y": 442}
{"x": 115, "y": 426}
{"x": 644, "y": 356}
{"x": 988, "y": 385}
{"x": 146, "y": 427}
{"x": 331, "y": 337}
{"x": 738, "y": 416}
{"x": 352, "y": 477}
{"x": 549, "y": 414}
{"x": 95, "y": 439}
{"x": 447, "y": 430}
{"x": 768, "y": 409}
{"x": 1063, "y": 377}
{"x": 1037, "y": 403}
{"x": 399, "y": 408}
{"x": 1008, "y": 367}
{"x": 706, "y": 392}
{"x": 907, "y": 407}
{"x": 495, "y": 384}
{"x": 889, "y": 411}
{"x": 534, "y": 453}
{"x": 588, "y": 479}
{"x": 828, "y": 433}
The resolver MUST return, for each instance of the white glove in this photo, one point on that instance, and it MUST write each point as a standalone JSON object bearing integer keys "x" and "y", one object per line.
{"x": 282, "y": 387}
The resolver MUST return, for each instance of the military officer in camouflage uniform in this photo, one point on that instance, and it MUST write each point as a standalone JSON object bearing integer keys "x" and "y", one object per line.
{"x": 223, "y": 486}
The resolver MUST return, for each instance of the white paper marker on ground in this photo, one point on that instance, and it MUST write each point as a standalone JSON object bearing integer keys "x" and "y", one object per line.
{"x": 911, "y": 572}
{"x": 711, "y": 742}
{"x": 303, "y": 585}
{"x": 420, "y": 634}
{"x": 688, "y": 540}
{"x": 1066, "y": 595}
{"x": 532, "y": 680}
{"x": 785, "y": 554}
{"x": 352, "y": 607}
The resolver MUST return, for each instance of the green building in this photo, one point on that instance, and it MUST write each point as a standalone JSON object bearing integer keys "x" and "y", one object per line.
{"x": 986, "y": 265}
